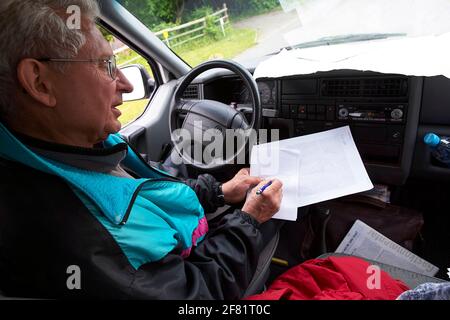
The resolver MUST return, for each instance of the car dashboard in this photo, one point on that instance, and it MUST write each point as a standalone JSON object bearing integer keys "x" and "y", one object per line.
{"x": 388, "y": 114}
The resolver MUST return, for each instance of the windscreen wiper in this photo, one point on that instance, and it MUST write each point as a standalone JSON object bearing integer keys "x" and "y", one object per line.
{"x": 327, "y": 41}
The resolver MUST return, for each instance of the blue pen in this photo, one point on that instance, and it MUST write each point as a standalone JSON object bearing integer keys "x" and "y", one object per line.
{"x": 264, "y": 187}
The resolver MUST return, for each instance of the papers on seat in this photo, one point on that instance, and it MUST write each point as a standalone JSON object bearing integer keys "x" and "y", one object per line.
{"x": 313, "y": 168}
{"x": 365, "y": 242}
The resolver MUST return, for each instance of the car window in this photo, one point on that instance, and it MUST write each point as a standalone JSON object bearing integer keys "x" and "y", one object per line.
{"x": 198, "y": 31}
{"x": 245, "y": 30}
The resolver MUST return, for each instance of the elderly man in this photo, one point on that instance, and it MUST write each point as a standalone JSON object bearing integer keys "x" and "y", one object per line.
{"x": 81, "y": 214}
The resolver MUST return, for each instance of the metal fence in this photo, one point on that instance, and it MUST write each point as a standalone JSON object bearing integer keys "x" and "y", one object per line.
{"x": 187, "y": 32}
{"x": 184, "y": 33}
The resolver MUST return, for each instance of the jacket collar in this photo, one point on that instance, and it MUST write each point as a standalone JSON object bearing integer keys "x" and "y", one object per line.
{"x": 100, "y": 159}
{"x": 113, "y": 195}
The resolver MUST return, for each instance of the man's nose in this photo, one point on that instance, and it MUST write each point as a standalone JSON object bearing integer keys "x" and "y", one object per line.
{"x": 123, "y": 84}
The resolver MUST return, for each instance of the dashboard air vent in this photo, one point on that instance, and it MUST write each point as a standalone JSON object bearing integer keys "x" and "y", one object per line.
{"x": 368, "y": 87}
{"x": 191, "y": 92}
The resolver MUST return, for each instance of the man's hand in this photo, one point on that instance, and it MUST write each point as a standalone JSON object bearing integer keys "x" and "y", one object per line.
{"x": 235, "y": 190}
{"x": 263, "y": 206}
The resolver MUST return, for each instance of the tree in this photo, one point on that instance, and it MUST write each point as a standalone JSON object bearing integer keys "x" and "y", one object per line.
{"x": 180, "y": 10}
{"x": 155, "y": 12}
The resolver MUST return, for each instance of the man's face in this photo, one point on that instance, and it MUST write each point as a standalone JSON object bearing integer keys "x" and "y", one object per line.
{"x": 87, "y": 97}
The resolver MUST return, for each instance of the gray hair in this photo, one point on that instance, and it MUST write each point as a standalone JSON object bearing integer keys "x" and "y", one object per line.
{"x": 37, "y": 29}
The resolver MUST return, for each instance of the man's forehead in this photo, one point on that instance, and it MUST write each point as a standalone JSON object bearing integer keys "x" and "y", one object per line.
{"x": 96, "y": 45}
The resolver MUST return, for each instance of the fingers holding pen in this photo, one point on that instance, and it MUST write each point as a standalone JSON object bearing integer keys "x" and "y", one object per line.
{"x": 271, "y": 185}
{"x": 276, "y": 185}
{"x": 266, "y": 203}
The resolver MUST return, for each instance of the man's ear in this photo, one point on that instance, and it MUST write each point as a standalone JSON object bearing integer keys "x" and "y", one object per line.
{"x": 34, "y": 77}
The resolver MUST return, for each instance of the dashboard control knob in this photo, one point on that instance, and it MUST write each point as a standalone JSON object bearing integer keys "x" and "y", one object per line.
{"x": 343, "y": 112}
{"x": 396, "y": 135}
{"x": 397, "y": 114}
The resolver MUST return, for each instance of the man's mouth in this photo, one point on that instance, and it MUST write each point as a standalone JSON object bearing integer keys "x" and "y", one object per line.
{"x": 116, "y": 111}
{"x": 117, "y": 104}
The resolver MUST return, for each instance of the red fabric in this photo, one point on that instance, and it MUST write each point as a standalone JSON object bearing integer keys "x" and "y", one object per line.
{"x": 333, "y": 278}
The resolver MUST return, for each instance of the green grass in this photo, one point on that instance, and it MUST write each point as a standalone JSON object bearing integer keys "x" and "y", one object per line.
{"x": 131, "y": 110}
{"x": 235, "y": 42}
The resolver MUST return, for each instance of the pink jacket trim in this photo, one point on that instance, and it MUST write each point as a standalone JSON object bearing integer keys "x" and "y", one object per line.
{"x": 200, "y": 231}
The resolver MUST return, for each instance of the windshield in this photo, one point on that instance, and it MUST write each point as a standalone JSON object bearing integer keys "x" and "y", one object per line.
{"x": 245, "y": 30}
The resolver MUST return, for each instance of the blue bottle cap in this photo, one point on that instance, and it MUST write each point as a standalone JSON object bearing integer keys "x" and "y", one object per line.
{"x": 431, "y": 139}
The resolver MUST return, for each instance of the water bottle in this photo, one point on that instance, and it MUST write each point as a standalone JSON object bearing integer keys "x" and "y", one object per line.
{"x": 440, "y": 147}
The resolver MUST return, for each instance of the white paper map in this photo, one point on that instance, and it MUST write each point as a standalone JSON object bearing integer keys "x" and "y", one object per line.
{"x": 313, "y": 168}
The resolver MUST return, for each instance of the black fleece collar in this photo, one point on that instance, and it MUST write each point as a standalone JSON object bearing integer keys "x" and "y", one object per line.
{"x": 98, "y": 159}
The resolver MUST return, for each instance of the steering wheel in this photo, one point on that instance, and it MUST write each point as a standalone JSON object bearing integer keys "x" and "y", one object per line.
{"x": 201, "y": 127}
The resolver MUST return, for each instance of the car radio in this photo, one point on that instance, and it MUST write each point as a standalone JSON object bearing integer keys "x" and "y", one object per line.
{"x": 378, "y": 128}
{"x": 372, "y": 113}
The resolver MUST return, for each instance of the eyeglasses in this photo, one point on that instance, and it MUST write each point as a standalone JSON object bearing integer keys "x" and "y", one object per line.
{"x": 111, "y": 63}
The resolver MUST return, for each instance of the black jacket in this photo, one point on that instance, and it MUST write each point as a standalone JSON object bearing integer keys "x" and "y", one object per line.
{"x": 50, "y": 229}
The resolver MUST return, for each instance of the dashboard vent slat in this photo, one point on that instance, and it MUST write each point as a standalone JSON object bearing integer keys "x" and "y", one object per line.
{"x": 191, "y": 92}
{"x": 374, "y": 87}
